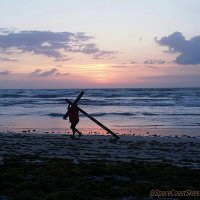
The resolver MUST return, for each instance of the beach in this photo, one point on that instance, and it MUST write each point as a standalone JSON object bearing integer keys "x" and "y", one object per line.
{"x": 158, "y": 149}
{"x": 134, "y": 165}
{"x": 178, "y": 151}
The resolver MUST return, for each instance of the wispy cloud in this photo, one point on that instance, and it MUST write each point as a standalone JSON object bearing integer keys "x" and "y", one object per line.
{"x": 7, "y": 30}
{"x": 132, "y": 62}
{"x": 5, "y": 72}
{"x": 62, "y": 59}
{"x": 151, "y": 62}
{"x": 52, "y": 72}
{"x": 120, "y": 66}
{"x": 92, "y": 49}
{"x": 48, "y": 43}
{"x": 37, "y": 72}
{"x": 49, "y": 73}
{"x": 61, "y": 74}
{"x": 189, "y": 50}
{"x": 100, "y": 54}
{"x": 9, "y": 59}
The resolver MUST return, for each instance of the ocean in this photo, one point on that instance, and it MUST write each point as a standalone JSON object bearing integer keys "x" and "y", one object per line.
{"x": 116, "y": 108}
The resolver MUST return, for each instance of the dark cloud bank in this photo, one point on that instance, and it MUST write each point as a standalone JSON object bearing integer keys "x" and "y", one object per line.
{"x": 48, "y": 43}
{"x": 189, "y": 50}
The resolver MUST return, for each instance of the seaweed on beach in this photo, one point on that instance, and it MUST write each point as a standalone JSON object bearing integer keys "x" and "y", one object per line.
{"x": 37, "y": 178}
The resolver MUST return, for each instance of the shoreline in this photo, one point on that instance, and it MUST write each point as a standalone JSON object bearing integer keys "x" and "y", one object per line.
{"x": 134, "y": 131}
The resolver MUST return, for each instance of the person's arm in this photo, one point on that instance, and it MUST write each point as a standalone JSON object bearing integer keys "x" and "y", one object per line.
{"x": 67, "y": 113}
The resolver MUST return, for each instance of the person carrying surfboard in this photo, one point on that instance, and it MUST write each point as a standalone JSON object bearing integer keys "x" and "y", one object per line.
{"x": 73, "y": 118}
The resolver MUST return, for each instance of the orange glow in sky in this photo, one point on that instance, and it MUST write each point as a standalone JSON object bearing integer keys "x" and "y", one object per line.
{"x": 75, "y": 44}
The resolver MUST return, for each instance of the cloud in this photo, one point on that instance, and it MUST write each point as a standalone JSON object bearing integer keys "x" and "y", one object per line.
{"x": 7, "y": 30}
{"x": 48, "y": 43}
{"x": 60, "y": 74}
{"x": 189, "y": 50}
{"x": 119, "y": 66}
{"x": 4, "y": 72}
{"x": 133, "y": 62}
{"x": 36, "y": 72}
{"x": 9, "y": 59}
{"x": 150, "y": 67}
{"x": 100, "y": 54}
{"x": 80, "y": 36}
{"x": 62, "y": 59}
{"x": 92, "y": 49}
{"x": 129, "y": 62}
{"x": 154, "y": 62}
{"x": 49, "y": 73}
{"x": 52, "y": 72}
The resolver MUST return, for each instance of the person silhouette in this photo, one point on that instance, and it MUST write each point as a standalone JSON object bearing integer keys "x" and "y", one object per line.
{"x": 73, "y": 118}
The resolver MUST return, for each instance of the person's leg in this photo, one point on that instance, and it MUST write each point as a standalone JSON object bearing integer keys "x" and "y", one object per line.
{"x": 79, "y": 133}
{"x": 76, "y": 130}
{"x": 73, "y": 129}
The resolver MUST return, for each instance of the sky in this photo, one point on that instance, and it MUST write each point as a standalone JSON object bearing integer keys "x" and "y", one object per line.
{"x": 99, "y": 44}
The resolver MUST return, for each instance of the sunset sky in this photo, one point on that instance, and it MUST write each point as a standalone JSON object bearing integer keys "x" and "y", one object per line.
{"x": 93, "y": 43}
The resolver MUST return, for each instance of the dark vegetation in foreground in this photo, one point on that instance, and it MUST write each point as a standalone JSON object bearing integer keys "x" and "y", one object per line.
{"x": 35, "y": 178}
